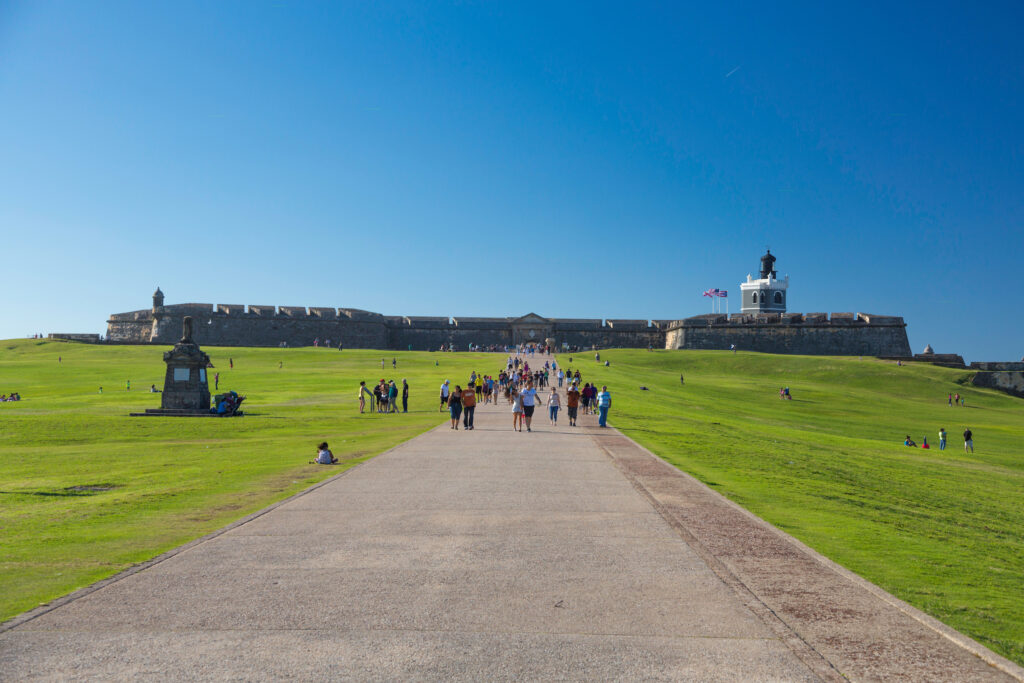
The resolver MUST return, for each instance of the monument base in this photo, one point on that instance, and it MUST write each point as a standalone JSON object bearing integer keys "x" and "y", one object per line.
{"x": 179, "y": 412}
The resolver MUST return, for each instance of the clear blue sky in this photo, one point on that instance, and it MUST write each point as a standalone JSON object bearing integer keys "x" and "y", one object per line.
{"x": 577, "y": 160}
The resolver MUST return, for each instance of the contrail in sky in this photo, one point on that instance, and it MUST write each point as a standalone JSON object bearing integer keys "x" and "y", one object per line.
{"x": 732, "y": 72}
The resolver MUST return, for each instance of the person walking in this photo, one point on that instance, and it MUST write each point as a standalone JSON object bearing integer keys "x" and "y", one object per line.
{"x": 216, "y": 381}
{"x": 455, "y": 406}
{"x": 468, "y": 406}
{"x": 950, "y": 399}
{"x": 530, "y": 398}
{"x": 231, "y": 363}
{"x": 517, "y": 408}
{"x": 363, "y": 393}
{"x": 572, "y": 404}
{"x": 405, "y": 396}
{"x": 942, "y": 435}
{"x": 968, "y": 440}
{"x": 604, "y": 403}
{"x": 554, "y": 403}
{"x": 444, "y": 396}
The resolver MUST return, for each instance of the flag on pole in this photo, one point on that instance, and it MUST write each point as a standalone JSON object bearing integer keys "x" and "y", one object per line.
{"x": 722, "y": 292}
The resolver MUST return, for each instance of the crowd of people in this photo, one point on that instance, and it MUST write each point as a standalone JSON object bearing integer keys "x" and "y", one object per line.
{"x": 521, "y": 386}
{"x": 15, "y": 396}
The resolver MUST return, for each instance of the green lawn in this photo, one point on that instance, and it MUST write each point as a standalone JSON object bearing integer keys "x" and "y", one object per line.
{"x": 171, "y": 480}
{"x": 941, "y": 530}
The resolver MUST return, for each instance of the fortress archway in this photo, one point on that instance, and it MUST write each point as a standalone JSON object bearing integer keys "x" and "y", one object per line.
{"x": 531, "y": 329}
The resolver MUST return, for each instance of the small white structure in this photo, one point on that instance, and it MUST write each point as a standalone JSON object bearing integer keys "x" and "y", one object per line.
{"x": 767, "y": 294}
{"x": 764, "y": 295}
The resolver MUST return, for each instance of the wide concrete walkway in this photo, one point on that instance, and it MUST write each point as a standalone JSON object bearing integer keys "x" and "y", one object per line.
{"x": 558, "y": 554}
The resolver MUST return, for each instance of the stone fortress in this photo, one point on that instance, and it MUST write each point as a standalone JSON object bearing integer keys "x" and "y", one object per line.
{"x": 762, "y": 325}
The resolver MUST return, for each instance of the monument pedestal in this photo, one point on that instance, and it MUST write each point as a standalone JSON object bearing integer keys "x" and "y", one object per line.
{"x": 186, "y": 392}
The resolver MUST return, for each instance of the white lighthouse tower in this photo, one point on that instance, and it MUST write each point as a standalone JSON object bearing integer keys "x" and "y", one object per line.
{"x": 767, "y": 294}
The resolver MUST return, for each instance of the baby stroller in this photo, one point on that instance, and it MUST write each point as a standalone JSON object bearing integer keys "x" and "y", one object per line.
{"x": 227, "y": 404}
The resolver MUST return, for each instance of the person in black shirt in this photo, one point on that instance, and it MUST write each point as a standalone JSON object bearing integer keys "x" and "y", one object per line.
{"x": 968, "y": 440}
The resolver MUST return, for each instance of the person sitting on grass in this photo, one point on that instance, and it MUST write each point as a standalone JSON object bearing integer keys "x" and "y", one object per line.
{"x": 324, "y": 455}
{"x": 909, "y": 442}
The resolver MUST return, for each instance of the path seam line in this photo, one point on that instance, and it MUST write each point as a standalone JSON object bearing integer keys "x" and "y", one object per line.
{"x": 963, "y": 641}
{"x": 804, "y": 651}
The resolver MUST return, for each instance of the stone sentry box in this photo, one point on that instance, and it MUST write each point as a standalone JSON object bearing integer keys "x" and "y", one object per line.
{"x": 185, "y": 385}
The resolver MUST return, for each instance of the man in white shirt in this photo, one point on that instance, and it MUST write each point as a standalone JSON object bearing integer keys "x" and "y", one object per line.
{"x": 530, "y": 398}
{"x": 444, "y": 397}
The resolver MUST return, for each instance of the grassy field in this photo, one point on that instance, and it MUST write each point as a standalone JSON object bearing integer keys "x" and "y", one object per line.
{"x": 940, "y": 529}
{"x": 86, "y": 491}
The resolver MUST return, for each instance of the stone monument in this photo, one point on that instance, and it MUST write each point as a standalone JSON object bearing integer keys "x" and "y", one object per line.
{"x": 185, "y": 386}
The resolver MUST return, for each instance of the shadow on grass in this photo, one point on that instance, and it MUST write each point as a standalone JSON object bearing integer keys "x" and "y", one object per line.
{"x": 67, "y": 492}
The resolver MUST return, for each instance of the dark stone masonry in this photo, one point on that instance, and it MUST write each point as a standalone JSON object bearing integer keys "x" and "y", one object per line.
{"x": 813, "y": 334}
{"x": 253, "y": 325}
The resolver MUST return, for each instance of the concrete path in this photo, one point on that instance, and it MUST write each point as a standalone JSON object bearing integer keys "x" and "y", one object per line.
{"x": 483, "y": 555}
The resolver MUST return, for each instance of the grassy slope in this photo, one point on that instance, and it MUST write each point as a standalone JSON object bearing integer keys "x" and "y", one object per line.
{"x": 941, "y": 530}
{"x": 175, "y": 478}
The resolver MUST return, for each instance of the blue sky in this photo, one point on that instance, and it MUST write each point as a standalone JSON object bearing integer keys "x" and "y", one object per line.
{"x": 577, "y": 160}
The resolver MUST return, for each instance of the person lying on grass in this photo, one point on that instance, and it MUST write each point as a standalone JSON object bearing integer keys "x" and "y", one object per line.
{"x": 323, "y": 456}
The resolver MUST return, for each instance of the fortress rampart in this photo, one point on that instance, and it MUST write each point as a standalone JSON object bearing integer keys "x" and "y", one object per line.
{"x": 841, "y": 334}
{"x": 258, "y": 325}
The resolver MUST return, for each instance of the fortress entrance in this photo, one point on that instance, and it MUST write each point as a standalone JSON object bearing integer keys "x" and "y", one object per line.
{"x": 531, "y": 329}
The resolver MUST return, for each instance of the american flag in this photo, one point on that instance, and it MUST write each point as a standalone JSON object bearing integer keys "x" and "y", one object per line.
{"x": 716, "y": 292}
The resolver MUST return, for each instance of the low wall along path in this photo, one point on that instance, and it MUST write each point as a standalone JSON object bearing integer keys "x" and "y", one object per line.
{"x": 565, "y": 553}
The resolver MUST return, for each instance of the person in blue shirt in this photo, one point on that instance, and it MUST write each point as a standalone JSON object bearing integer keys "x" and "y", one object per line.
{"x": 604, "y": 402}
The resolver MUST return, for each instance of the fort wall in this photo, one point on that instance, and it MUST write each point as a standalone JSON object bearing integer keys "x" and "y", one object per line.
{"x": 1009, "y": 381}
{"x": 263, "y": 325}
{"x": 841, "y": 334}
